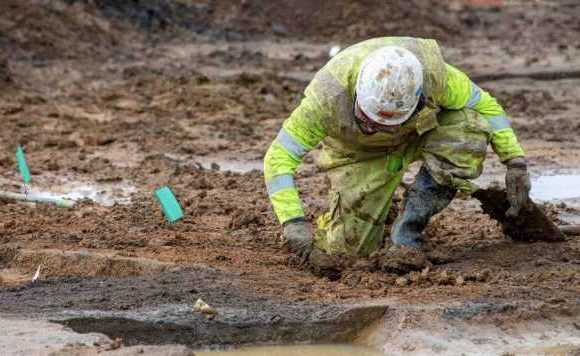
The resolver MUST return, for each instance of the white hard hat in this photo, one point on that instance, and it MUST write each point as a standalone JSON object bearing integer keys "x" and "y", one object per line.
{"x": 389, "y": 85}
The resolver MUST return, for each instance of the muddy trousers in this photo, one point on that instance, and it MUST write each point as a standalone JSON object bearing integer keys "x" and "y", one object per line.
{"x": 362, "y": 184}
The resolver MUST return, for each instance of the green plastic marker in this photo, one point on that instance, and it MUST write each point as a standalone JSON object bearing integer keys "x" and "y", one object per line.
{"x": 169, "y": 204}
{"x": 22, "y": 166}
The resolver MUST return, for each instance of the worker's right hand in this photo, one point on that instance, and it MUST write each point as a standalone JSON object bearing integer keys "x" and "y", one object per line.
{"x": 298, "y": 238}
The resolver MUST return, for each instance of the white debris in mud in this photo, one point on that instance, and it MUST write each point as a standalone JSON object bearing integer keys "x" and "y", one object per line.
{"x": 202, "y": 307}
{"x": 36, "y": 274}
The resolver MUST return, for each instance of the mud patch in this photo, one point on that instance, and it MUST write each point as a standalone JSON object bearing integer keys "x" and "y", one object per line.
{"x": 56, "y": 263}
{"x": 179, "y": 325}
{"x": 91, "y": 88}
{"x": 473, "y": 329}
{"x": 157, "y": 309}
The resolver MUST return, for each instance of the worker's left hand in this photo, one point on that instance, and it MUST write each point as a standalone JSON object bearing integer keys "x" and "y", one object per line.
{"x": 518, "y": 185}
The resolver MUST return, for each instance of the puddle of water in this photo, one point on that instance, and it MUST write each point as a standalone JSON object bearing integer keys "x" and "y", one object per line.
{"x": 556, "y": 187}
{"x": 560, "y": 350}
{"x": 232, "y": 166}
{"x": 219, "y": 164}
{"x": 570, "y": 218}
{"x": 105, "y": 194}
{"x": 297, "y": 350}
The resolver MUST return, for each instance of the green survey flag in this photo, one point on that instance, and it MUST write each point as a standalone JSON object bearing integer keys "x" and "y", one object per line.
{"x": 22, "y": 166}
{"x": 169, "y": 204}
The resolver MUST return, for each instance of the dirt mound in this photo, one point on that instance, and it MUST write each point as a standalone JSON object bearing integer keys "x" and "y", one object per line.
{"x": 49, "y": 29}
{"x": 533, "y": 25}
{"x": 335, "y": 19}
{"x": 77, "y": 28}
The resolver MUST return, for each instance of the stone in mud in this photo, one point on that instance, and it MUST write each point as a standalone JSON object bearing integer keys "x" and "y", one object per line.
{"x": 330, "y": 266}
{"x": 204, "y": 308}
{"x": 530, "y": 225}
{"x": 402, "y": 260}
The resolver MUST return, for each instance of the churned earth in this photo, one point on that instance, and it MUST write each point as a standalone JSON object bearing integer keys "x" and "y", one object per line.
{"x": 114, "y": 101}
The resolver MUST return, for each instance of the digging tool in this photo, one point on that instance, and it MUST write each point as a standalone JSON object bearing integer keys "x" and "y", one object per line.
{"x": 531, "y": 224}
{"x": 61, "y": 203}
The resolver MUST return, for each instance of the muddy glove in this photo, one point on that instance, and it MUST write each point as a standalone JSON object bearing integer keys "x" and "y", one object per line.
{"x": 298, "y": 237}
{"x": 518, "y": 185}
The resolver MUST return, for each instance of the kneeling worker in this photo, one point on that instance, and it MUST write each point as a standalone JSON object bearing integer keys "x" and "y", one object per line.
{"x": 376, "y": 107}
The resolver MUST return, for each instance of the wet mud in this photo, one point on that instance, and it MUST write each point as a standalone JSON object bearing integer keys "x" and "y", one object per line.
{"x": 158, "y": 309}
{"x": 124, "y": 98}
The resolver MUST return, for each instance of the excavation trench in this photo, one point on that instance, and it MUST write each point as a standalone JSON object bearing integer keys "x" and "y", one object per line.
{"x": 157, "y": 309}
{"x": 142, "y": 301}
{"x": 177, "y": 324}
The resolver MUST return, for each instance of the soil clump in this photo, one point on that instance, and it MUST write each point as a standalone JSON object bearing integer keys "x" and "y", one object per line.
{"x": 531, "y": 224}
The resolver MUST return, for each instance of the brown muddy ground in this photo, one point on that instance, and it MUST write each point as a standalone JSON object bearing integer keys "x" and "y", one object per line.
{"x": 151, "y": 94}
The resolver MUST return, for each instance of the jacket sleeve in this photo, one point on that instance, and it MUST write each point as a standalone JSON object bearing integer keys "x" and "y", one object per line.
{"x": 461, "y": 93}
{"x": 299, "y": 134}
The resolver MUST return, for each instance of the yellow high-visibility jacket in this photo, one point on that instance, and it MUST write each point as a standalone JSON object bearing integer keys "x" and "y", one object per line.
{"x": 327, "y": 111}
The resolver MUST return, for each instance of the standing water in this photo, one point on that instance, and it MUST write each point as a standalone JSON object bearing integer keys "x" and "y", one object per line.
{"x": 556, "y": 187}
{"x": 297, "y": 350}
{"x": 105, "y": 194}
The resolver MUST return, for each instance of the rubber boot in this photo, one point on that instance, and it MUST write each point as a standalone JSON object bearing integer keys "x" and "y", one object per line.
{"x": 424, "y": 198}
